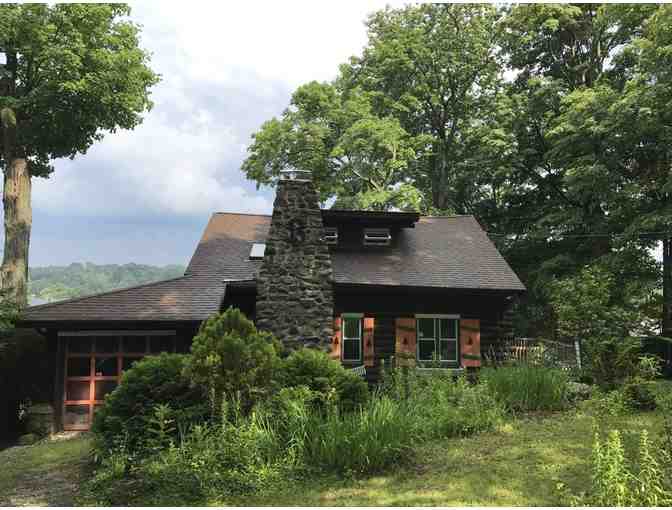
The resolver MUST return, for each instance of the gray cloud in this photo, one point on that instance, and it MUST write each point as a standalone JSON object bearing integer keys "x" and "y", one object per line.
{"x": 145, "y": 195}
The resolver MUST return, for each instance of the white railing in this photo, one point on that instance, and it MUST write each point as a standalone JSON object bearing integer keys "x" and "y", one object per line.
{"x": 361, "y": 370}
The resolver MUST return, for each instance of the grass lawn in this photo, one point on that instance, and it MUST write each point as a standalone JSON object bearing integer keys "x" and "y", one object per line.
{"x": 47, "y": 473}
{"x": 519, "y": 465}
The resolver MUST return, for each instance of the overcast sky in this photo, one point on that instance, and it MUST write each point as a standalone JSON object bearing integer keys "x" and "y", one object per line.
{"x": 145, "y": 195}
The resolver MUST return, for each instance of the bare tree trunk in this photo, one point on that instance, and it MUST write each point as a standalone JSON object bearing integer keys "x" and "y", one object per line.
{"x": 667, "y": 286}
{"x": 18, "y": 221}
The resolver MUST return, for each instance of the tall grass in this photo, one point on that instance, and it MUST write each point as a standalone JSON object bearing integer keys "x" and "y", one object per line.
{"x": 370, "y": 439}
{"x": 526, "y": 387}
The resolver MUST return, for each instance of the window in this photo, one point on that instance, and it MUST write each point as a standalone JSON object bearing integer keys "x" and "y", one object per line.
{"x": 94, "y": 362}
{"x": 377, "y": 237}
{"x": 331, "y": 235}
{"x": 257, "y": 251}
{"x": 437, "y": 338}
{"x": 352, "y": 337}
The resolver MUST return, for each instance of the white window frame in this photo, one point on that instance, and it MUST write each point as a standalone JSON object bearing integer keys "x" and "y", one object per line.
{"x": 377, "y": 237}
{"x": 437, "y": 336}
{"x": 359, "y": 317}
{"x": 331, "y": 235}
{"x": 257, "y": 251}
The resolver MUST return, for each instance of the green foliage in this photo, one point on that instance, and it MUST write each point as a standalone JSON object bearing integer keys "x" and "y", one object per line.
{"x": 640, "y": 394}
{"x": 609, "y": 403}
{"x": 527, "y": 387}
{"x": 232, "y": 359}
{"x": 376, "y": 436}
{"x": 154, "y": 397}
{"x": 442, "y": 406}
{"x": 53, "y": 283}
{"x": 588, "y": 311}
{"x": 74, "y": 71}
{"x": 616, "y": 482}
{"x": 327, "y": 378}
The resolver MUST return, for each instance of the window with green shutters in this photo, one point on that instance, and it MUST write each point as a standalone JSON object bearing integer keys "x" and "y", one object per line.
{"x": 352, "y": 337}
{"x": 437, "y": 338}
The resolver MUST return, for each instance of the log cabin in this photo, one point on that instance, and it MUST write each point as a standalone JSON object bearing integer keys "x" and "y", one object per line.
{"x": 366, "y": 286}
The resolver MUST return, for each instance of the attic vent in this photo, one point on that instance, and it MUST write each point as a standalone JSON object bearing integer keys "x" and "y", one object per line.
{"x": 257, "y": 251}
{"x": 331, "y": 235}
{"x": 377, "y": 237}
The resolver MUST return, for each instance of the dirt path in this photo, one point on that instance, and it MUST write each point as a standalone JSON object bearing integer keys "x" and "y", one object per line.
{"x": 44, "y": 474}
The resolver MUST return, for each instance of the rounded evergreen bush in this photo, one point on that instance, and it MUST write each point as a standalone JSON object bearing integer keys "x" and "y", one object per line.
{"x": 233, "y": 360}
{"x": 128, "y": 415}
{"x": 327, "y": 378}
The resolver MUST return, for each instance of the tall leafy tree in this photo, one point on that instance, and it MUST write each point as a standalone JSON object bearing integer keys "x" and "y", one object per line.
{"x": 71, "y": 73}
{"x": 354, "y": 154}
{"x": 403, "y": 122}
{"x": 574, "y": 64}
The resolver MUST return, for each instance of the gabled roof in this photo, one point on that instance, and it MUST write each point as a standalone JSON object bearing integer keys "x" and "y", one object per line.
{"x": 441, "y": 252}
{"x": 446, "y": 251}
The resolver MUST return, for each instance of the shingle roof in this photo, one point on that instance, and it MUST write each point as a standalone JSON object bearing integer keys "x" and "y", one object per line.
{"x": 187, "y": 298}
{"x": 449, "y": 252}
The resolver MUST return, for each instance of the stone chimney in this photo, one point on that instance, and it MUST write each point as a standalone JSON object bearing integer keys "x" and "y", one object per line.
{"x": 295, "y": 298}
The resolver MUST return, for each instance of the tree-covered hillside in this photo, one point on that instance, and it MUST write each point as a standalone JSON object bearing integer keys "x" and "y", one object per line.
{"x": 53, "y": 283}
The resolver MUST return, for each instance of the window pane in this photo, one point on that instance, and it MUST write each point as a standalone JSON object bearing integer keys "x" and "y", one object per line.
{"x": 426, "y": 349}
{"x": 77, "y": 390}
{"x": 107, "y": 344}
{"x": 106, "y": 367}
{"x": 128, "y": 363}
{"x": 79, "y": 344}
{"x": 79, "y": 367}
{"x": 76, "y": 415}
{"x": 426, "y": 328}
{"x": 448, "y": 328}
{"x": 351, "y": 349}
{"x": 135, "y": 343}
{"x": 161, "y": 344}
{"x": 102, "y": 388}
{"x": 351, "y": 328}
{"x": 449, "y": 350}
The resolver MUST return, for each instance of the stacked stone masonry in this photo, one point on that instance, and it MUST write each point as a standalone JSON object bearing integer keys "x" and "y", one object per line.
{"x": 295, "y": 298}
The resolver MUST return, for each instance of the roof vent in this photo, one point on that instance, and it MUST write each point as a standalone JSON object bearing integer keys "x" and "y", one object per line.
{"x": 292, "y": 174}
{"x": 257, "y": 251}
{"x": 377, "y": 237}
{"x": 331, "y": 235}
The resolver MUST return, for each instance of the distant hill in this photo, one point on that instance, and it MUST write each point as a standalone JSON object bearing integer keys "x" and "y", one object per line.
{"x": 54, "y": 283}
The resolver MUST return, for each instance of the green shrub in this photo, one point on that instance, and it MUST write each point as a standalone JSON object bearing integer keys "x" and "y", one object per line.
{"x": 640, "y": 394}
{"x": 577, "y": 391}
{"x": 442, "y": 405}
{"x": 325, "y": 377}
{"x": 231, "y": 358}
{"x": 129, "y": 413}
{"x": 528, "y": 388}
{"x": 241, "y": 454}
{"x": 608, "y": 403}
